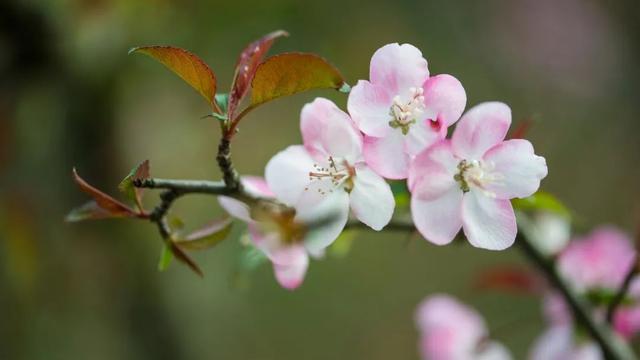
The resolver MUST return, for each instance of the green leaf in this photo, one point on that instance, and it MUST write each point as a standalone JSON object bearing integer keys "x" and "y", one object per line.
{"x": 109, "y": 207}
{"x": 206, "y": 237}
{"x": 291, "y": 73}
{"x": 133, "y": 193}
{"x": 542, "y": 201}
{"x": 223, "y": 103}
{"x": 604, "y": 297}
{"x": 193, "y": 70}
{"x": 251, "y": 257}
{"x": 176, "y": 223}
{"x": 165, "y": 258}
{"x": 246, "y": 67}
{"x": 400, "y": 193}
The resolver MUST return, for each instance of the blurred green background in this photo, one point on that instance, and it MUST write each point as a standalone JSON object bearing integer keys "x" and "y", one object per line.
{"x": 70, "y": 96}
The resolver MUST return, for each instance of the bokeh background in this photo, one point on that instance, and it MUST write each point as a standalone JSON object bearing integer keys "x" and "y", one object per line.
{"x": 70, "y": 96}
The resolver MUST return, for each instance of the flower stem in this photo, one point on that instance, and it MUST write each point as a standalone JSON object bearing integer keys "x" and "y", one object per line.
{"x": 612, "y": 346}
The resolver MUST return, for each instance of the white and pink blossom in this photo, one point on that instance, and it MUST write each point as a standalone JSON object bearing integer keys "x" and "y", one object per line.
{"x": 286, "y": 238}
{"x": 593, "y": 264}
{"x": 450, "y": 330}
{"x": 401, "y": 110}
{"x": 598, "y": 261}
{"x": 467, "y": 182}
{"x": 330, "y": 163}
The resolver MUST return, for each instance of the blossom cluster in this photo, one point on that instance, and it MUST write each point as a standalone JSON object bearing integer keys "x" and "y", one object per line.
{"x": 395, "y": 128}
{"x": 594, "y": 265}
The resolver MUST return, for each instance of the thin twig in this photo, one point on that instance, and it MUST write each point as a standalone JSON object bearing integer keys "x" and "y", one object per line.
{"x": 612, "y": 346}
{"x": 622, "y": 292}
{"x": 185, "y": 186}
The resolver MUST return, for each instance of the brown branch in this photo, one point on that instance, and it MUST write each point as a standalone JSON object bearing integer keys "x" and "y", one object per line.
{"x": 612, "y": 346}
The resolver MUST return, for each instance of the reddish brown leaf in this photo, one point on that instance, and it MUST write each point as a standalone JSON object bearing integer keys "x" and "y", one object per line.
{"x": 512, "y": 279}
{"x": 522, "y": 129}
{"x": 208, "y": 236}
{"x": 112, "y": 206}
{"x": 184, "y": 258}
{"x": 246, "y": 67}
{"x": 193, "y": 70}
{"x": 290, "y": 73}
{"x": 88, "y": 211}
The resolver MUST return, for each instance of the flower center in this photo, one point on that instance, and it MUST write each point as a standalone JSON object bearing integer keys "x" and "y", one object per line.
{"x": 404, "y": 113}
{"x": 338, "y": 172}
{"x": 477, "y": 174}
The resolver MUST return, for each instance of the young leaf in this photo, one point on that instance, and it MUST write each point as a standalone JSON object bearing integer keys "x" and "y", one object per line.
{"x": 88, "y": 211}
{"x": 291, "y": 73}
{"x": 110, "y": 205}
{"x": 522, "y": 129}
{"x": 208, "y": 236}
{"x": 246, "y": 67}
{"x": 510, "y": 278}
{"x": 542, "y": 201}
{"x": 185, "y": 259}
{"x": 133, "y": 193}
{"x": 193, "y": 70}
{"x": 165, "y": 258}
{"x": 400, "y": 193}
{"x": 223, "y": 103}
{"x": 251, "y": 257}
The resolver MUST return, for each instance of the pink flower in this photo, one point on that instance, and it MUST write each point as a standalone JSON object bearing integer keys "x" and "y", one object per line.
{"x": 330, "y": 163}
{"x": 600, "y": 260}
{"x": 598, "y": 263}
{"x": 401, "y": 109}
{"x": 450, "y": 330}
{"x": 467, "y": 182}
{"x": 286, "y": 238}
{"x": 559, "y": 343}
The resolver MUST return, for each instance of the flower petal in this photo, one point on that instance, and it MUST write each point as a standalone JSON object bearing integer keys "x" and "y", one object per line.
{"x": 439, "y": 219}
{"x": 449, "y": 329}
{"x": 398, "y": 68}
{"x": 327, "y": 130}
{"x": 252, "y": 184}
{"x": 291, "y": 270}
{"x": 235, "y": 208}
{"x": 482, "y": 127}
{"x": 371, "y": 198}
{"x": 600, "y": 260}
{"x": 493, "y": 351}
{"x": 422, "y": 135}
{"x": 556, "y": 343}
{"x": 386, "y": 155}
{"x": 369, "y": 106}
{"x": 433, "y": 169}
{"x": 488, "y": 223}
{"x": 326, "y": 216}
{"x": 444, "y": 99}
{"x": 521, "y": 170}
{"x": 287, "y": 173}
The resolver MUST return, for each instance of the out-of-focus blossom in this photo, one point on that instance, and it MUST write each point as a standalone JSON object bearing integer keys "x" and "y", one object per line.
{"x": 558, "y": 343}
{"x": 286, "y": 237}
{"x": 595, "y": 266}
{"x": 467, "y": 182}
{"x": 552, "y": 232}
{"x": 598, "y": 261}
{"x": 330, "y": 163}
{"x": 450, "y": 330}
{"x": 401, "y": 110}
